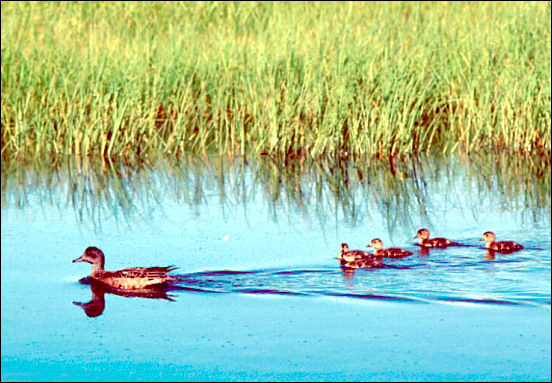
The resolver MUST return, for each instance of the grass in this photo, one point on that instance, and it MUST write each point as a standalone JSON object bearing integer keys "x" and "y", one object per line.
{"x": 284, "y": 79}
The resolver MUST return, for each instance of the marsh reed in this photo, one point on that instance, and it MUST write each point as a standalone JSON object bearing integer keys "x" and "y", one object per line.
{"x": 283, "y": 79}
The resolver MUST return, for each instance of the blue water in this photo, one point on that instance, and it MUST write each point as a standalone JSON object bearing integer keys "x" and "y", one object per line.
{"x": 261, "y": 295}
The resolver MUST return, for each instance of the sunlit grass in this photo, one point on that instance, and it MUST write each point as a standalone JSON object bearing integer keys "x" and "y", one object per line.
{"x": 273, "y": 77}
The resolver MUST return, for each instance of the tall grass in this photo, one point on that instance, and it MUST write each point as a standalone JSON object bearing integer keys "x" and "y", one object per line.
{"x": 274, "y": 77}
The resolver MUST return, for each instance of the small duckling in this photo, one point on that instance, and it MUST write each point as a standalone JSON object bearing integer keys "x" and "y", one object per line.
{"x": 355, "y": 259}
{"x": 346, "y": 255}
{"x": 363, "y": 264}
{"x": 425, "y": 241}
{"x": 391, "y": 252}
{"x": 502, "y": 246}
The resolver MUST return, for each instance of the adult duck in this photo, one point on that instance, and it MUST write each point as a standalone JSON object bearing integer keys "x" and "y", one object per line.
{"x": 131, "y": 278}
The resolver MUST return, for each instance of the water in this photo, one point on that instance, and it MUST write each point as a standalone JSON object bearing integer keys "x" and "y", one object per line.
{"x": 261, "y": 295}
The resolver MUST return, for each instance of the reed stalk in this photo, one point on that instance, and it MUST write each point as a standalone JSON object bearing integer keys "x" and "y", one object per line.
{"x": 278, "y": 78}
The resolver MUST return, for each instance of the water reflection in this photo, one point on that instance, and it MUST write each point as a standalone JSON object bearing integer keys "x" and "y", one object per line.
{"x": 423, "y": 250}
{"x": 490, "y": 255}
{"x": 96, "y": 306}
{"x": 399, "y": 189}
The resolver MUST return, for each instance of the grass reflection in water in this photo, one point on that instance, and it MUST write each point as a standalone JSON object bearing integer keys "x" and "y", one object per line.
{"x": 401, "y": 190}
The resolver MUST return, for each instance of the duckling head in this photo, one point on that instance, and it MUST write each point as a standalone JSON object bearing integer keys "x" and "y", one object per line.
{"x": 488, "y": 236}
{"x": 376, "y": 243}
{"x": 422, "y": 233}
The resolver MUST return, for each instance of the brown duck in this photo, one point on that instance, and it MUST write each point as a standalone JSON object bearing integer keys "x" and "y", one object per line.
{"x": 391, "y": 252}
{"x": 355, "y": 259}
{"x": 425, "y": 241}
{"x": 131, "y": 278}
{"x": 502, "y": 246}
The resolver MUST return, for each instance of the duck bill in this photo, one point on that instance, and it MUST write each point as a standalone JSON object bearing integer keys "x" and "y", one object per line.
{"x": 79, "y": 259}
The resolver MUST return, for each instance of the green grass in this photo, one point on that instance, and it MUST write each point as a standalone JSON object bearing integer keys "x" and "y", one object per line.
{"x": 279, "y": 78}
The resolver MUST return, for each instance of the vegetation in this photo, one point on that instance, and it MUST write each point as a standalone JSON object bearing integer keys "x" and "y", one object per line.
{"x": 284, "y": 79}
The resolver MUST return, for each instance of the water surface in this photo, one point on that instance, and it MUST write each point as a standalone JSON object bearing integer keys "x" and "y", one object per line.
{"x": 261, "y": 295}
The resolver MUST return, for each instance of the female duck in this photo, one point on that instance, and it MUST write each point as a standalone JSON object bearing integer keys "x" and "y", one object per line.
{"x": 425, "y": 241}
{"x": 355, "y": 259}
{"x": 391, "y": 252}
{"x": 132, "y": 278}
{"x": 502, "y": 246}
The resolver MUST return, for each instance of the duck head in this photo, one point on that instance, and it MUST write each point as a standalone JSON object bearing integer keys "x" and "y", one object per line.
{"x": 488, "y": 236}
{"x": 422, "y": 233}
{"x": 92, "y": 255}
{"x": 376, "y": 244}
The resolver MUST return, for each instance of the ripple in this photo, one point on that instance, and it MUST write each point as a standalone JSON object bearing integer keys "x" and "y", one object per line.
{"x": 390, "y": 284}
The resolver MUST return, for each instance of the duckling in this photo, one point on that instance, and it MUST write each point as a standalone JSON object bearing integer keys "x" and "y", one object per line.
{"x": 502, "y": 246}
{"x": 355, "y": 259}
{"x": 346, "y": 255}
{"x": 425, "y": 241}
{"x": 363, "y": 264}
{"x": 131, "y": 278}
{"x": 391, "y": 252}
